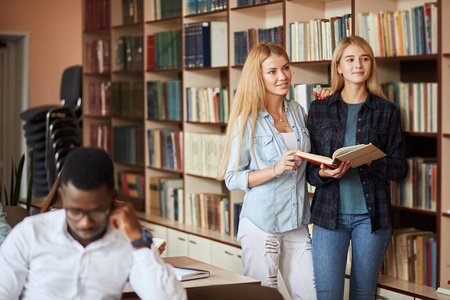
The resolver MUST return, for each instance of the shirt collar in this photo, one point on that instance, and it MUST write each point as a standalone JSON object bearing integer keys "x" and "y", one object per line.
{"x": 370, "y": 102}
{"x": 265, "y": 113}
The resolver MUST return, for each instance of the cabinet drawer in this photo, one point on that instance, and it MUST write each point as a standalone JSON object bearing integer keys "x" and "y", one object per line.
{"x": 227, "y": 257}
{"x": 386, "y": 294}
{"x": 177, "y": 243}
{"x": 199, "y": 248}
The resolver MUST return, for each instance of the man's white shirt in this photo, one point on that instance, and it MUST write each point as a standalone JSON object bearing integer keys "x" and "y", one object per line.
{"x": 40, "y": 260}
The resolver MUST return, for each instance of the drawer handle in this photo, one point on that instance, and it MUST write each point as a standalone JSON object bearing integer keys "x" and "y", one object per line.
{"x": 229, "y": 253}
{"x": 182, "y": 239}
{"x": 193, "y": 242}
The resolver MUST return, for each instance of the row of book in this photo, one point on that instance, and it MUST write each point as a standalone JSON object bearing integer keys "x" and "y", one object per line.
{"x": 317, "y": 39}
{"x": 402, "y": 32}
{"x": 245, "y": 40}
{"x": 209, "y": 211}
{"x": 166, "y": 198}
{"x": 165, "y": 149}
{"x": 99, "y": 98}
{"x": 204, "y": 151}
{"x": 194, "y": 7}
{"x": 97, "y": 56}
{"x": 417, "y": 102}
{"x": 251, "y": 2}
{"x": 411, "y": 256}
{"x": 419, "y": 188}
{"x": 164, "y": 50}
{"x": 97, "y": 14}
{"x": 209, "y": 104}
{"x": 131, "y": 183}
{"x": 100, "y": 136}
{"x": 129, "y": 53}
{"x": 128, "y": 99}
{"x": 164, "y": 9}
{"x": 302, "y": 93}
{"x": 132, "y": 11}
{"x": 164, "y": 100}
{"x": 128, "y": 143}
{"x": 205, "y": 44}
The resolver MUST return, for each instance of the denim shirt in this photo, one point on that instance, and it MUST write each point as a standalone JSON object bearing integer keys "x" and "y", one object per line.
{"x": 280, "y": 204}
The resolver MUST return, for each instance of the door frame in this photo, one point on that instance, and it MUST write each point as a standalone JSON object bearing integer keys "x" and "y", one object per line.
{"x": 16, "y": 83}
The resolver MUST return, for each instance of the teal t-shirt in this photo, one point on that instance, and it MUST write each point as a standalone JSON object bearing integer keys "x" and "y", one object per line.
{"x": 351, "y": 195}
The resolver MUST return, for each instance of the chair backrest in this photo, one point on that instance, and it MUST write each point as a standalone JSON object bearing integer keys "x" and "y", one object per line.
{"x": 236, "y": 292}
{"x": 15, "y": 214}
{"x": 71, "y": 86}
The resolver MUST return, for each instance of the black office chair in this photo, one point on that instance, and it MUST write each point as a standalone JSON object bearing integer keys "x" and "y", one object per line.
{"x": 42, "y": 122}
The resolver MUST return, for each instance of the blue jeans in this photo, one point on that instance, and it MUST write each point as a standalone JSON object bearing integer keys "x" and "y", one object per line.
{"x": 330, "y": 248}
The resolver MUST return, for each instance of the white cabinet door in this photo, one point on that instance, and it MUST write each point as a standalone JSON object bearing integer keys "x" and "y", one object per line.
{"x": 227, "y": 257}
{"x": 386, "y": 294}
{"x": 177, "y": 243}
{"x": 199, "y": 248}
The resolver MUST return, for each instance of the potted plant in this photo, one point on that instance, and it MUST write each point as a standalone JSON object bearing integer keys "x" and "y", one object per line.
{"x": 16, "y": 213}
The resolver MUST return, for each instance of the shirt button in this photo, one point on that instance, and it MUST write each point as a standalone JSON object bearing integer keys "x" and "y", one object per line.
{"x": 293, "y": 204}
{"x": 361, "y": 169}
{"x": 370, "y": 208}
{"x": 364, "y": 182}
{"x": 284, "y": 147}
{"x": 359, "y": 130}
{"x": 367, "y": 195}
{"x": 264, "y": 143}
{"x": 293, "y": 187}
{"x": 294, "y": 171}
{"x": 359, "y": 119}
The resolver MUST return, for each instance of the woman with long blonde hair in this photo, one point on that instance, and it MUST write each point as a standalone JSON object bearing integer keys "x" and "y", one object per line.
{"x": 264, "y": 132}
{"x": 353, "y": 204}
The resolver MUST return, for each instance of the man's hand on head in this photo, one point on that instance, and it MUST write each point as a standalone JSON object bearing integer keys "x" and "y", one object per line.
{"x": 123, "y": 217}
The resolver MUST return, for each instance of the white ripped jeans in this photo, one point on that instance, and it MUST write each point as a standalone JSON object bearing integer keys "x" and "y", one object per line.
{"x": 263, "y": 254}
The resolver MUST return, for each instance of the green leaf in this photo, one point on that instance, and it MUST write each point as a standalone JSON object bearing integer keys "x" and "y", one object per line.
{"x": 19, "y": 172}
{"x": 30, "y": 180}
{"x": 11, "y": 191}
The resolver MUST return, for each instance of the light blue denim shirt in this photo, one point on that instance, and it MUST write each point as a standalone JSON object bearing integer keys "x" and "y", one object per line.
{"x": 281, "y": 204}
{"x": 4, "y": 227}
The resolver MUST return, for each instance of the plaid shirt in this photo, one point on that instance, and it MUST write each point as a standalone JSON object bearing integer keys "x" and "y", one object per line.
{"x": 378, "y": 123}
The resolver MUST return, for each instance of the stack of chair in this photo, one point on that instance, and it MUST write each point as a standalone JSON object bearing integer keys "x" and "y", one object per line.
{"x": 53, "y": 130}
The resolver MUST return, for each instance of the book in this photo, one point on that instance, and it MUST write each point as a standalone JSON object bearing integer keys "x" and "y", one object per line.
{"x": 444, "y": 290}
{"x": 183, "y": 274}
{"x": 358, "y": 154}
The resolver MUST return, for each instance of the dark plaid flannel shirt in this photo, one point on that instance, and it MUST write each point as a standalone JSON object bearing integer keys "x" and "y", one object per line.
{"x": 378, "y": 123}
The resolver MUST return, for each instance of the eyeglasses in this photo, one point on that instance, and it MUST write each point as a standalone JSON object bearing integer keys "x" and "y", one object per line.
{"x": 96, "y": 215}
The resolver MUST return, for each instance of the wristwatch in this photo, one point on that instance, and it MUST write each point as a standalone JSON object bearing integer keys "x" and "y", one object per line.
{"x": 145, "y": 240}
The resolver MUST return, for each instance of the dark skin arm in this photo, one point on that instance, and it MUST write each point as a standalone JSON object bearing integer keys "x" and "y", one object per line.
{"x": 123, "y": 216}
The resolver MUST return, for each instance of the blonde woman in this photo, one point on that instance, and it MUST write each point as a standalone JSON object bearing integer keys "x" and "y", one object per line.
{"x": 353, "y": 204}
{"x": 264, "y": 132}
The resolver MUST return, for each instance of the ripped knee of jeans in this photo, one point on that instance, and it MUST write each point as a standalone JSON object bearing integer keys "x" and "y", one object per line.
{"x": 272, "y": 245}
{"x": 272, "y": 282}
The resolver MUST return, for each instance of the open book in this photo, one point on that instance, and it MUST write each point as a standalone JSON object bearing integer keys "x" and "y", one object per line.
{"x": 183, "y": 274}
{"x": 358, "y": 154}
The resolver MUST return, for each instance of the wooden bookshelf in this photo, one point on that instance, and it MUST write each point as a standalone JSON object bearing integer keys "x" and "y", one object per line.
{"x": 426, "y": 68}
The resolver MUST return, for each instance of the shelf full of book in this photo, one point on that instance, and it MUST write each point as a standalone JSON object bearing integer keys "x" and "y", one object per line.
{"x": 179, "y": 64}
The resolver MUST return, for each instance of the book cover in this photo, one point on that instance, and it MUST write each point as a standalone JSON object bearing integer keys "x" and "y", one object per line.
{"x": 183, "y": 274}
{"x": 358, "y": 154}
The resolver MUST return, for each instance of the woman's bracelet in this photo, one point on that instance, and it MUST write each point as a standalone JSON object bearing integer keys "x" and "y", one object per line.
{"x": 274, "y": 173}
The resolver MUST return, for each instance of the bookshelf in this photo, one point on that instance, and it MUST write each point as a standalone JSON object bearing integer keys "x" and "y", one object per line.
{"x": 177, "y": 16}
